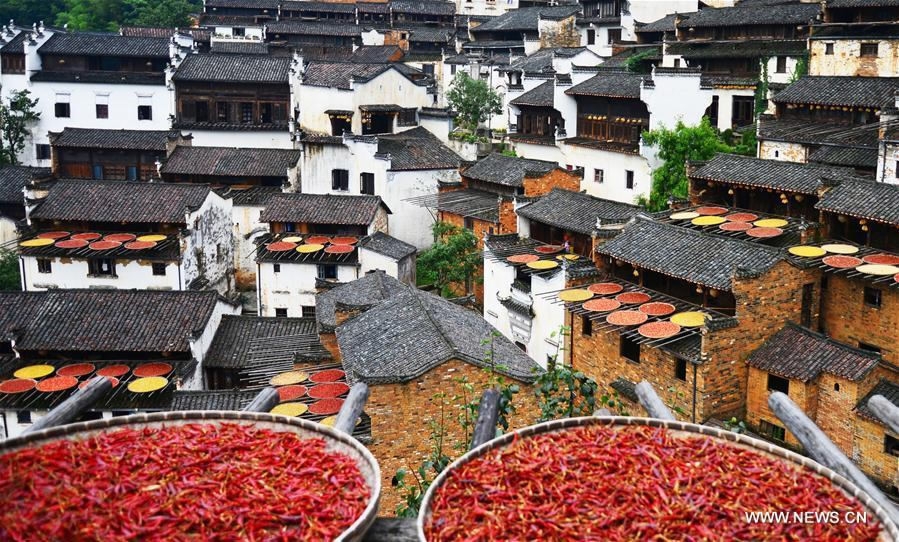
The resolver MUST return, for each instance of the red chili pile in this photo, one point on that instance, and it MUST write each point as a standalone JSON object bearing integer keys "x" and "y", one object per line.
{"x": 196, "y": 481}
{"x": 611, "y": 483}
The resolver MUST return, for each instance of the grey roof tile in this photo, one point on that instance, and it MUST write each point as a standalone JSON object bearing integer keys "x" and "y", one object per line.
{"x": 665, "y": 24}
{"x": 322, "y": 209}
{"x": 313, "y": 28}
{"x": 233, "y": 69}
{"x": 525, "y": 19}
{"x": 376, "y": 54}
{"x": 687, "y": 254}
{"x": 211, "y": 399}
{"x": 800, "y": 354}
{"x": 230, "y": 162}
{"x": 105, "y": 320}
{"x": 250, "y": 4}
{"x": 253, "y": 196}
{"x": 863, "y": 199}
{"x": 576, "y": 211}
{"x": 414, "y": 331}
{"x": 845, "y": 156}
{"x": 875, "y": 92}
{"x": 738, "y": 49}
{"x": 164, "y": 32}
{"x": 239, "y": 48}
{"x": 330, "y": 7}
{"x": 610, "y": 83}
{"x": 540, "y": 96}
{"x": 889, "y": 390}
{"x": 467, "y": 202}
{"x": 230, "y": 348}
{"x": 105, "y": 77}
{"x": 16, "y": 45}
{"x": 842, "y": 4}
{"x": 104, "y": 44}
{"x": 779, "y": 14}
{"x": 750, "y": 171}
{"x": 338, "y": 74}
{"x": 817, "y": 133}
{"x": 120, "y": 201}
{"x": 13, "y": 180}
{"x": 373, "y": 288}
{"x": 417, "y": 149}
{"x": 423, "y": 7}
{"x": 507, "y": 170}
{"x": 388, "y": 246}
{"x": 95, "y": 138}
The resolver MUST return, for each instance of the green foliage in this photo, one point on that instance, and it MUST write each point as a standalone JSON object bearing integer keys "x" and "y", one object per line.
{"x": 17, "y": 115}
{"x": 453, "y": 258}
{"x": 748, "y": 144}
{"x": 564, "y": 393}
{"x": 9, "y": 271}
{"x": 801, "y": 69}
{"x": 676, "y": 147}
{"x": 735, "y": 425}
{"x": 26, "y": 12}
{"x": 91, "y": 14}
{"x": 509, "y": 152}
{"x": 413, "y": 492}
{"x": 472, "y": 100}
{"x": 761, "y": 89}
{"x": 169, "y": 13}
{"x": 467, "y": 137}
{"x": 100, "y": 14}
{"x": 639, "y": 62}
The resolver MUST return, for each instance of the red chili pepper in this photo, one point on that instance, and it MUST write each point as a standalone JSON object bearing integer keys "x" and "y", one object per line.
{"x": 634, "y": 483}
{"x": 229, "y": 481}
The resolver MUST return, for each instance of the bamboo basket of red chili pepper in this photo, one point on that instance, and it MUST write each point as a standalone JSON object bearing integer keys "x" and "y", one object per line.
{"x": 624, "y": 478}
{"x": 188, "y": 475}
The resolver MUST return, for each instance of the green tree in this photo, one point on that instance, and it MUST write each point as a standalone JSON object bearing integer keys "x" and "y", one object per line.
{"x": 17, "y": 115}
{"x": 676, "y": 147}
{"x": 9, "y": 271}
{"x": 171, "y": 13}
{"x": 91, "y": 14}
{"x": 26, "y": 12}
{"x": 472, "y": 100}
{"x": 453, "y": 258}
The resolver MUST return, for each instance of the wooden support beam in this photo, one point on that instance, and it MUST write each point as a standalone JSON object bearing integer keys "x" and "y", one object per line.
{"x": 885, "y": 411}
{"x": 488, "y": 413}
{"x": 264, "y": 401}
{"x": 75, "y": 405}
{"x": 651, "y": 401}
{"x": 352, "y": 408}
{"x": 824, "y": 451}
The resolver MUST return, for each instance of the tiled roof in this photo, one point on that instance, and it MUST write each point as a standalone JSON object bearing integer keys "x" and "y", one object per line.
{"x": 777, "y": 174}
{"x": 123, "y": 202}
{"x": 105, "y": 77}
{"x": 540, "y": 96}
{"x": 16, "y": 45}
{"x": 889, "y": 390}
{"x": 414, "y": 331}
{"x": 619, "y": 60}
{"x": 376, "y": 54}
{"x": 423, "y": 7}
{"x": 211, "y": 399}
{"x": 95, "y": 138}
{"x": 575, "y": 211}
{"x": 230, "y": 162}
{"x": 373, "y": 7}
{"x": 417, "y": 149}
{"x": 13, "y": 179}
{"x": 542, "y": 59}
{"x": 844, "y": 91}
{"x": 863, "y": 199}
{"x": 254, "y": 195}
{"x": 817, "y": 133}
{"x": 230, "y": 348}
{"x": 466, "y": 202}
{"x": 164, "y": 32}
{"x": 338, "y": 74}
{"x": 332, "y": 7}
{"x": 233, "y": 69}
{"x": 845, "y": 156}
{"x": 687, "y": 254}
{"x": 105, "y": 320}
{"x": 388, "y": 246}
{"x": 609, "y": 83}
{"x": 370, "y": 289}
{"x": 784, "y": 14}
{"x": 239, "y": 47}
{"x": 507, "y": 170}
{"x": 431, "y": 34}
{"x": 313, "y": 28}
{"x": 738, "y": 49}
{"x": 525, "y": 19}
{"x": 665, "y": 24}
{"x": 322, "y": 209}
{"x": 249, "y": 4}
{"x": 104, "y": 44}
{"x": 861, "y": 3}
{"x": 797, "y": 353}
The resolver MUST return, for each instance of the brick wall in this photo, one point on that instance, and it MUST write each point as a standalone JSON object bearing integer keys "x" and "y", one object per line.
{"x": 868, "y": 451}
{"x": 401, "y": 415}
{"x": 803, "y": 394}
{"x": 557, "y": 178}
{"x": 846, "y": 318}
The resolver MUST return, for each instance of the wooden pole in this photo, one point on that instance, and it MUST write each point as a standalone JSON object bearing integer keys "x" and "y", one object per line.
{"x": 264, "y": 401}
{"x": 352, "y": 408}
{"x": 651, "y": 402}
{"x": 488, "y": 413}
{"x": 885, "y": 411}
{"x": 824, "y": 451}
{"x": 72, "y": 407}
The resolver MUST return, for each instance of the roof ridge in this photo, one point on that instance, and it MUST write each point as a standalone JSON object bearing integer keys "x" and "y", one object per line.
{"x": 416, "y": 293}
{"x": 832, "y": 341}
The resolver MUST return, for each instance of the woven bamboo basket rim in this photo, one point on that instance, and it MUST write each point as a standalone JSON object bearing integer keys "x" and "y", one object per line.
{"x": 335, "y": 441}
{"x": 889, "y": 532}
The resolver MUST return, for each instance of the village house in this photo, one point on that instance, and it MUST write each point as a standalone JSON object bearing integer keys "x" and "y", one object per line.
{"x": 253, "y": 11}
{"x": 125, "y": 334}
{"x": 409, "y": 346}
{"x": 395, "y": 167}
{"x": 526, "y": 30}
{"x": 87, "y": 80}
{"x": 316, "y": 37}
{"x": 13, "y": 180}
{"x": 110, "y": 234}
{"x": 121, "y": 155}
{"x": 293, "y": 260}
{"x": 216, "y": 95}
